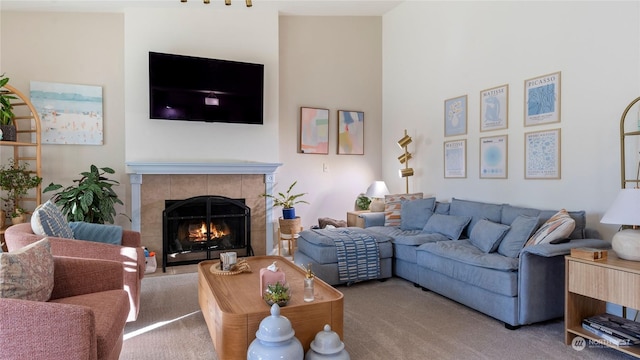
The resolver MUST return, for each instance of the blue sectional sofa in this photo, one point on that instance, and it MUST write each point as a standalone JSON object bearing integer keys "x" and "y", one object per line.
{"x": 474, "y": 253}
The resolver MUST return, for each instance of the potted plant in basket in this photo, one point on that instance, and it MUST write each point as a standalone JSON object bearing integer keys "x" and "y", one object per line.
{"x": 91, "y": 199}
{"x": 16, "y": 180}
{"x": 287, "y": 201}
{"x": 7, "y": 127}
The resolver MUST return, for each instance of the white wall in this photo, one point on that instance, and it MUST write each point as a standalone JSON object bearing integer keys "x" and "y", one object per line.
{"x": 333, "y": 63}
{"x": 433, "y": 51}
{"x": 74, "y": 48}
{"x": 239, "y": 35}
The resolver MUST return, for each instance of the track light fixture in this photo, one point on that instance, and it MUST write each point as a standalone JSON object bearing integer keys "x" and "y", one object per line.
{"x": 226, "y": 2}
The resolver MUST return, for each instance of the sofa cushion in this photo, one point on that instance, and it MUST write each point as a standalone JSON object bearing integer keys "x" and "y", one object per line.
{"x": 486, "y": 235}
{"x": 476, "y": 210}
{"x": 48, "y": 220}
{"x": 110, "y": 309}
{"x": 414, "y": 214}
{"x": 442, "y": 208}
{"x": 521, "y": 229}
{"x": 465, "y": 252}
{"x": 27, "y": 273}
{"x": 318, "y": 244}
{"x": 464, "y": 262}
{"x": 393, "y": 207}
{"x": 510, "y": 213}
{"x": 559, "y": 226}
{"x": 450, "y": 226}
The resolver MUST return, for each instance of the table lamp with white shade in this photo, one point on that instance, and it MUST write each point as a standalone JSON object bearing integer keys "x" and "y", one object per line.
{"x": 376, "y": 191}
{"x": 625, "y": 211}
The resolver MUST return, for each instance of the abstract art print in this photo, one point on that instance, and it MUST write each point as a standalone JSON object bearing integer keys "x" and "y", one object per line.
{"x": 494, "y": 108}
{"x": 455, "y": 116}
{"x": 542, "y": 100}
{"x": 542, "y": 154}
{"x": 69, "y": 114}
{"x": 314, "y": 130}
{"x": 455, "y": 159}
{"x": 350, "y": 132}
{"x": 493, "y": 157}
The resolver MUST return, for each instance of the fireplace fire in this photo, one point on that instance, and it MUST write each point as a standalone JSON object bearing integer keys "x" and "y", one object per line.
{"x": 202, "y": 227}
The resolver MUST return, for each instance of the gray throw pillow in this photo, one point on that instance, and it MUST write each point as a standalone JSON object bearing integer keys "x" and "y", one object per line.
{"x": 414, "y": 214}
{"x": 450, "y": 226}
{"x": 521, "y": 229}
{"x": 486, "y": 235}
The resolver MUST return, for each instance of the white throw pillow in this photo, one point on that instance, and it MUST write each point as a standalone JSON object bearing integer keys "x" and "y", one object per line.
{"x": 559, "y": 226}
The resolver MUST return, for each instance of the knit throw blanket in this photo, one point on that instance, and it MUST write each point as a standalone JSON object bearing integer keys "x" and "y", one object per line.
{"x": 358, "y": 256}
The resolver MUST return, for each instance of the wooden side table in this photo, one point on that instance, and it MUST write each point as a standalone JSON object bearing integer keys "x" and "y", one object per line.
{"x": 590, "y": 285}
{"x": 354, "y": 219}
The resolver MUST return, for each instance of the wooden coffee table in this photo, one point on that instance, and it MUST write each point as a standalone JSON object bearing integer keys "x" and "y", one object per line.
{"x": 233, "y": 308}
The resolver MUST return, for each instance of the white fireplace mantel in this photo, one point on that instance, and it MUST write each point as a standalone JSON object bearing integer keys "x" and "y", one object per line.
{"x": 138, "y": 168}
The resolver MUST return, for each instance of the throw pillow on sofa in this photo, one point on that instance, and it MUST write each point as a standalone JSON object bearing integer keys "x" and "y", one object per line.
{"x": 559, "y": 226}
{"x": 450, "y": 226}
{"x": 486, "y": 235}
{"x": 521, "y": 229}
{"x": 414, "y": 214}
{"x": 393, "y": 207}
{"x": 27, "y": 273}
{"x": 48, "y": 220}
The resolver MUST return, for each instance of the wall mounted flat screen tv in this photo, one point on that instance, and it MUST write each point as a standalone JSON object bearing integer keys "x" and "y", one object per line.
{"x": 200, "y": 89}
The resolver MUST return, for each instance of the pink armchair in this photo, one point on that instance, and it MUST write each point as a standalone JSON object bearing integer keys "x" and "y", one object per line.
{"x": 84, "y": 319}
{"x": 129, "y": 254}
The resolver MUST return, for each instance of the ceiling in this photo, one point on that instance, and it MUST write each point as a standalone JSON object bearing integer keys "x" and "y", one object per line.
{"x": 284, "y": 7}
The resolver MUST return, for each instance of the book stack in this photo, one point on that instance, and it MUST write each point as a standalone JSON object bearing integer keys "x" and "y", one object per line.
{"x": 615, "y": 329}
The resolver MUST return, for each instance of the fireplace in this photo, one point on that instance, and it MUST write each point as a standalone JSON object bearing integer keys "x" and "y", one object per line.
{"x": 202, "y": 227}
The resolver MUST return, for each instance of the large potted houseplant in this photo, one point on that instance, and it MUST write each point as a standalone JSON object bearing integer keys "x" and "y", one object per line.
{"x": 16, "y": 181}
{"x": 7, "y": 126}
{"x": 287, "y": 200}
{"x": 91, "y": 198}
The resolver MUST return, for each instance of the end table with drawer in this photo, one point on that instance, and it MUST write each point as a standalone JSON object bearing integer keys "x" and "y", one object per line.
{"x": 590, "y": 285}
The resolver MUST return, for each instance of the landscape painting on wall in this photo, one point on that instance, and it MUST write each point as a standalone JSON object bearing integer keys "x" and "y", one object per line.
{"x": 69, "y": 114}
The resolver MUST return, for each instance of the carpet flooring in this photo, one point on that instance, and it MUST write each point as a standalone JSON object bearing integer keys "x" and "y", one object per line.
{"x": 382, "y": 320}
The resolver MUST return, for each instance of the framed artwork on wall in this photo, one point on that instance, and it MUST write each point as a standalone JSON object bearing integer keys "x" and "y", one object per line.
{"x": 314, "y": 131}
{"x": 542, "y": 100}
{"x": 494, "y": 108}
{"x": 350, "y": 132}
{"x": 69, "y": 113}
{"x": 494, "y": 157}
{"x": 542, "y": 154}
{"x": 455, "y": 116}
{"x": 455, "y": 159}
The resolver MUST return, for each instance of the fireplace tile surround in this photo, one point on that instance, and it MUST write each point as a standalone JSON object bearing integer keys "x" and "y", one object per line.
{"x": 153, "y": 183}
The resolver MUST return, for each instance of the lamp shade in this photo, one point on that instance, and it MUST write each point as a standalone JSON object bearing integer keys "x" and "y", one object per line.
{"x": 625, "y": 210}
{"x": 378, "y": 189}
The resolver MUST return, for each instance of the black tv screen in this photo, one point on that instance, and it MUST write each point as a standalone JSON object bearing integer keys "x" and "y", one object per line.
{"x": 200, "y": 89}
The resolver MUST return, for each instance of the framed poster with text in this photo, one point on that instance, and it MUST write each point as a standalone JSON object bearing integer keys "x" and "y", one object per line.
{"x": 493, "y": 157}
{"x": 455, "y": 159}
{"x": 542, "y": 100}
{"x": 542, "y": 154}
{"x": 494, "y": 108}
